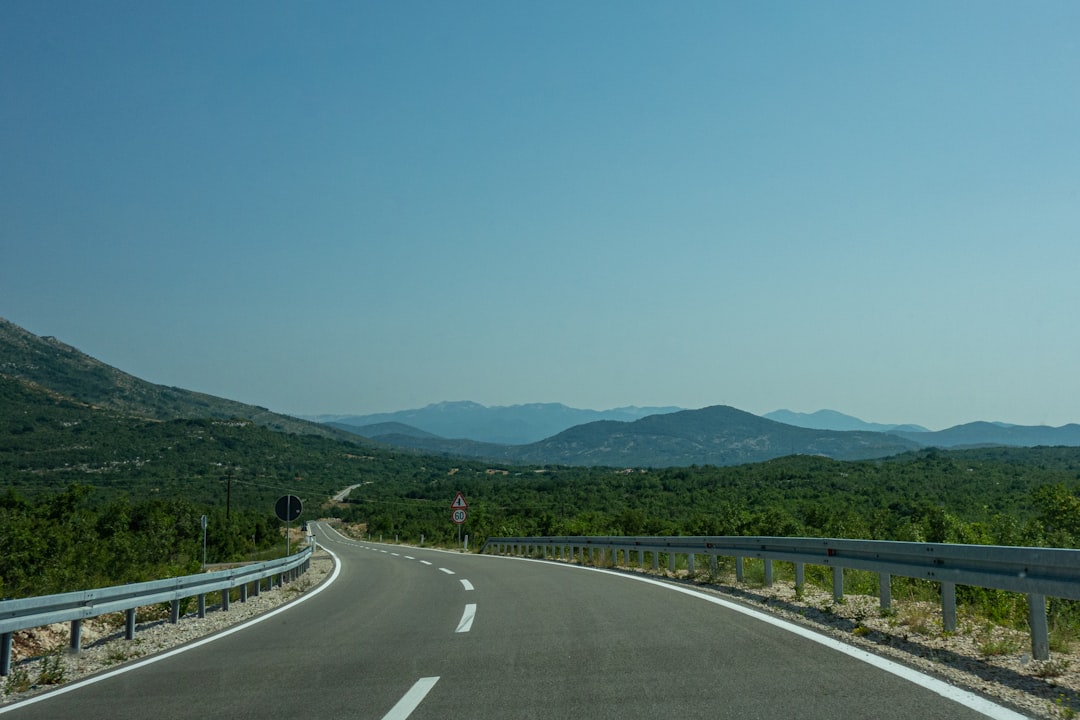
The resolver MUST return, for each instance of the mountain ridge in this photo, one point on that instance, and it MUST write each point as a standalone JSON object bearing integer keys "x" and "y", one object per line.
{"x": 833, "y": 420}
{"x": 716, "y": 435}
{"x": 499, "y": 424}
{"x": 65, "y": 370}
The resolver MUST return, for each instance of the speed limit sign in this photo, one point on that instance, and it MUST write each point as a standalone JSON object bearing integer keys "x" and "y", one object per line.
{"x": 458, "y": 516}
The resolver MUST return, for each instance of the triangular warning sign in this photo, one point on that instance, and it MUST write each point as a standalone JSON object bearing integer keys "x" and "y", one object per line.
{"x": 459, "y": 503}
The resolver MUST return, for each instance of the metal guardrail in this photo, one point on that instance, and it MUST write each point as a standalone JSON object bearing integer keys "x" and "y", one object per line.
{"x": 74, "y": 607}
{"x": 1038, "y": 573}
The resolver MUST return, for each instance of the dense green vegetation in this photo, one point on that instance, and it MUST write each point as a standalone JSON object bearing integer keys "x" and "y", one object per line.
{"x": 92, "y": 497}
{"x": 1013, "y": 496}
{"x": 66, "y": 542}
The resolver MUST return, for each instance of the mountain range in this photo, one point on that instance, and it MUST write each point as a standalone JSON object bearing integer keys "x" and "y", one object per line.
{"x": 503, "y": 425}
{"x": 471, "y": 429}
{"x": 623, "y": 437}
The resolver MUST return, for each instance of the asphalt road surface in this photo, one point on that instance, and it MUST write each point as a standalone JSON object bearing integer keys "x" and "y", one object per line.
{"x": 429, "y": 635}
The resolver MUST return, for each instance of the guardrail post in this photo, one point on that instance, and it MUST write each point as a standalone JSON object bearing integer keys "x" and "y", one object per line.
{"x": 225, "y": 599}
{"x": 75, "y": 642}
{"x": 641, "y": 558}
{"x": 739, "y": 569}
{"x": 129, "y": 624}
{"x": 768, "y": 573}
{"x": 1040, "y": 634}
{"x": 174, "y": 612}
{"x": 885, "y": 590}
{"x": 202, "y": 605}
{"x": 671, "y": 562}
{"x": 5, "y": 654}
{"x": 837, "y": 583}
{"x": 690, "y": 563}
{"x": 712, "y": 564}
{"x": 800, "y": 576}
{"x": 948, "y": 606}
{"x": 256, "y": 588}
{"x": 243, "y": 593}
{"x": 655, "y": 560}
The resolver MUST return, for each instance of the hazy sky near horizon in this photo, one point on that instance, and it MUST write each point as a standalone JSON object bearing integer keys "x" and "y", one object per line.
{"x": 353, "y": 207}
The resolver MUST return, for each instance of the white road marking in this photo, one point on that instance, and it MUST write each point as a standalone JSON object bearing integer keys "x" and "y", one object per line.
{"x": 467, "y": 584}
{"x": 395, "y": 554}
{"x": 411, "y": 699}
{"x": 409, "y": 557}
{"x": 183, "y": 648}
{"x": 976, "y": 702}
{"x": 466, "y": 618}
{"x": 424, "y": 562}
{"x": 448, "y": 572}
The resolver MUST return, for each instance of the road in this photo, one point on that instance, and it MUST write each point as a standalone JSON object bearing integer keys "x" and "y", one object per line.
{"x": 429, "y": 635}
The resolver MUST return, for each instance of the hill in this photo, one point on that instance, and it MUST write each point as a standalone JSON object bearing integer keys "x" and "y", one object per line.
{"x": 833, "y": 420}
{"x": 504, "y": 425}
{"x": 975, "y": 434}
{"x": 989, "y": 433}
{"x": 62, "y": 369}
{"x": 717, "y": 435}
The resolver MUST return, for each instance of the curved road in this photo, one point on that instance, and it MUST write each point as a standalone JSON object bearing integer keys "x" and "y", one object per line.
{"x": 428, "y": 635}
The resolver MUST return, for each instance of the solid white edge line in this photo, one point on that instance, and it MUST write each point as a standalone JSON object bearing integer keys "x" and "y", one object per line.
{"x": 183, "y": 648}
{"x": 467, "y": 619}
{"x": 964, "y": 697}
{"x": 411, "y": 699}
{"x": 466, "y": 584}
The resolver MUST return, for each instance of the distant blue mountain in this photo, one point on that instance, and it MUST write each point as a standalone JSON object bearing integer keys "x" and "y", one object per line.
{"x": 992, "y": 433}
{"x": 967, "y": 435}
{"x": 505, "y": 425}
{"x": 833, "y": 420}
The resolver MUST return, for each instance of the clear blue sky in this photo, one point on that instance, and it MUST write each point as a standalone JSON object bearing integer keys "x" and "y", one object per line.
{"x": 355, "y": 207}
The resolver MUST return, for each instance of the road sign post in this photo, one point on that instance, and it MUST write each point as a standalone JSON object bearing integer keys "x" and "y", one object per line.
{"x": 288, "y": 508}
{"x": 458, "y": 514}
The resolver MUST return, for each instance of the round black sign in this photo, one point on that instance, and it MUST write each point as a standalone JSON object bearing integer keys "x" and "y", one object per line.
{"x": 288, "y": 508}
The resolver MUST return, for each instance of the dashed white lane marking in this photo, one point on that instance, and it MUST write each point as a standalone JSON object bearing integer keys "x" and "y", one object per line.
{"x": 412, "y": 699}
{"x": 448, "y": 572}
{"x": 424, "y": 562}
{"x": 467, "y": 618}
{"x": 409, "y": 557}
{"x": 467, "y": 584}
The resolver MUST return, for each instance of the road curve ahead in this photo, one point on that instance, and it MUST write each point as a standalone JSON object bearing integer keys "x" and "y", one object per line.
{"x": 408, "y": 633}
